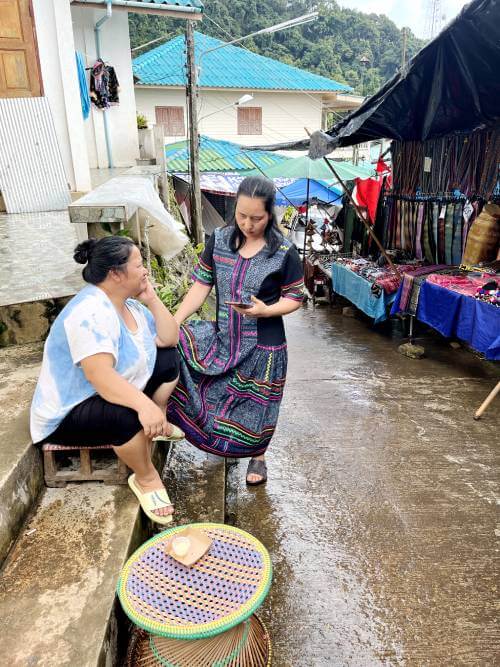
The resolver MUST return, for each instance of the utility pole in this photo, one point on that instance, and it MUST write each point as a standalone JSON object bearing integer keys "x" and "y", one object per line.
{"x": 403, "y": 56}
{"x": 434, "y": 17}
{"x": 192, "y": 110}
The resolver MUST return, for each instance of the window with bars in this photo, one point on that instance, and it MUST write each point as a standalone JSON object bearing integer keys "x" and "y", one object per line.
{"x": 249, "y": 120}
{"x": 172, "y": 119}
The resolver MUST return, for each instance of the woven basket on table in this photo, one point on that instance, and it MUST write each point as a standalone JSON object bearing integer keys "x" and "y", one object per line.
{"x": 199, "y": 616}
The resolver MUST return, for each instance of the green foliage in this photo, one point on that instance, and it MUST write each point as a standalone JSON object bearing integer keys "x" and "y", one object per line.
{"x": 142, "y": 122}
{"x": 172, "y": 278}
{"x": 331, "y": 46}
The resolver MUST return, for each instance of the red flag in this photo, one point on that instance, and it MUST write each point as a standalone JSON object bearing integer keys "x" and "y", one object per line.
{"x": 382, "y": 167}
{"x": 367, "y": 195}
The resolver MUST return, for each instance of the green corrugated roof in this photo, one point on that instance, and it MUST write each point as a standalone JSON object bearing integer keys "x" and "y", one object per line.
{"x": 228, "y": 67}
{"x": 218, "y": 155}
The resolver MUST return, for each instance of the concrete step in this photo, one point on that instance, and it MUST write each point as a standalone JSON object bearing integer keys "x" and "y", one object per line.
{"x": 30, "y": 321}
{"x": 140, "y": 162}
{"x": 57, "y": 590}
{"x": 21, "y": 475}
{"x": 57, "y": 585}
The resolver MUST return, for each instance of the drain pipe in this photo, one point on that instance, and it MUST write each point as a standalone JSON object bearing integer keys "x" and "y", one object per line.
{"x": 97, "y": 33}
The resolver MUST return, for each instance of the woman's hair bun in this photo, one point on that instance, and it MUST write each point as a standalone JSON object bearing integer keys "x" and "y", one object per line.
{"x": 83, "y": 251}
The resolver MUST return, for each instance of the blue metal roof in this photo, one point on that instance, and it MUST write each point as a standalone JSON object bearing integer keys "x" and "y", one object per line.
{"x": 164, "y": 4}
{"x": 228, "y": 67}
{"x": 216, "y": 155}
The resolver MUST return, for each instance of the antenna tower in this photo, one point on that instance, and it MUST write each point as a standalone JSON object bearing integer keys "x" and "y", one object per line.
{"x": 433, "y": 17}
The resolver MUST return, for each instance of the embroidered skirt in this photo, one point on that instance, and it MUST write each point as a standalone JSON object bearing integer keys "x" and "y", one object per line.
{"x": 230, "y": 412}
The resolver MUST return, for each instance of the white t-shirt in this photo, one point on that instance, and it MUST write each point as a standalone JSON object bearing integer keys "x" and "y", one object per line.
{"x": 89, "y": 324}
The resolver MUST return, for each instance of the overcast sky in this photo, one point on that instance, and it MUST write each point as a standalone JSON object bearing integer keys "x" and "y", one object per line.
{"x": 405, "y": 12}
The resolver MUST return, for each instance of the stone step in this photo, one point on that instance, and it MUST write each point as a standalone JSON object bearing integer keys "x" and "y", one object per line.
{"x": 140, "y": 162}
{"x": 21, "y": 475}
{"x": 57, "y": 592}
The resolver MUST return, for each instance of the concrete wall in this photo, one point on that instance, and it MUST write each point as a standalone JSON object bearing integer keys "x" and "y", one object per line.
{"x": 115, "y": 50}
{"x": 60, "y": 85}
{"x": 284, "y": 115}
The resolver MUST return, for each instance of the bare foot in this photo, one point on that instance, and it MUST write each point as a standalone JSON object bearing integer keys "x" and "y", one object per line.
{"x": 154, "y": 483}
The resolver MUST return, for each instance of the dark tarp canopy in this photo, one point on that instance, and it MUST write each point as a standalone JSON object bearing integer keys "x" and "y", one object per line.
{"x": 451, "y": 85}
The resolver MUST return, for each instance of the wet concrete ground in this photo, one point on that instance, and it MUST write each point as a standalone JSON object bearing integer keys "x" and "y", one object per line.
{"x": 382, "y": 508}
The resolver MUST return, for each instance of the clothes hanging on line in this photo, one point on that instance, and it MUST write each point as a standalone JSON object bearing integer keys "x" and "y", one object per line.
{"x": 467, "y": 163}
{"x": 104, "y": 85}
{"x": 82, "y": 81}
{"x": 435, "y": 230}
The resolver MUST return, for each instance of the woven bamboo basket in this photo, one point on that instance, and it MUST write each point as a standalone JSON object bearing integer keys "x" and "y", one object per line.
{"x": 245, "y": 645}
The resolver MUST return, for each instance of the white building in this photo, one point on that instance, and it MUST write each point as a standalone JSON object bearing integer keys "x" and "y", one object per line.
{"x": 38, "y": 40}
{"x": 285, "y": 100}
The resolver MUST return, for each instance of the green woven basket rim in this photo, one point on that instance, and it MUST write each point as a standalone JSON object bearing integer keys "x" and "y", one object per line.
{"x": 183, "y": 633}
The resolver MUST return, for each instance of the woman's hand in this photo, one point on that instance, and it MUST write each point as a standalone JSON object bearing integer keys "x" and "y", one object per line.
{"x": 259, "y": 309}
{"x": 153, "y": 419}
{"x": 148, "y": 295}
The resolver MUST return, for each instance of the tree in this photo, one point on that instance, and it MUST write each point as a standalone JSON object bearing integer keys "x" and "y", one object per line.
{"x": 332, "y": 46}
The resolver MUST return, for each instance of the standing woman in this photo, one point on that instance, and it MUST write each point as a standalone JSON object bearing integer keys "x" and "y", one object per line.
{"x": 109, "y": 367}
{"x": 233, "y": 370}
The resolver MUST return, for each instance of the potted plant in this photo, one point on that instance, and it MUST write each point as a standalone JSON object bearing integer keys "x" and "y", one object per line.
{"x": 145, "y": 139}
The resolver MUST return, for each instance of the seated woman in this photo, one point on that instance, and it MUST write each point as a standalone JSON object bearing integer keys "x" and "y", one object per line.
{"x": 109, "y": 366}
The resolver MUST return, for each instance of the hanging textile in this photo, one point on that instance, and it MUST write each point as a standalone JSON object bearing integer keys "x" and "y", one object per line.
{"x": 82, "y": 81}
{"x": 464, "y": 163}
{"x": 104, "y": 85}
{"x": 366, "y": 194}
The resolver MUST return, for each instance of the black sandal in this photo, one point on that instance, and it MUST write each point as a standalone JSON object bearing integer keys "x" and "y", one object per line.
{"x": 257, "y": 467}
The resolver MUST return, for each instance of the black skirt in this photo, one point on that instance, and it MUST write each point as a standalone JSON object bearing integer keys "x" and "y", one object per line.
{"x": 96, "y": 422}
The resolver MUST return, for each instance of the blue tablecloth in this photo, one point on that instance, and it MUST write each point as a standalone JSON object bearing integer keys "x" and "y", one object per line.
{"x": 358, "y": 290}
{"x": 456, "y": 315}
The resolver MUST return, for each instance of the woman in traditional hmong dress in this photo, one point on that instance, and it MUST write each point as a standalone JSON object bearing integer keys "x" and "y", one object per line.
{"x": 233, "y": 369}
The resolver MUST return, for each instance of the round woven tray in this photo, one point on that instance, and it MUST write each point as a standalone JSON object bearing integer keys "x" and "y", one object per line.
{"x": 218, "y": 592}
{"x": 246, "y": 645}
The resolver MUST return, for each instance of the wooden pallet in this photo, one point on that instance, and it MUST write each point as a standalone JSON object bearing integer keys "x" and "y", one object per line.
{"x": 115, "y": 472}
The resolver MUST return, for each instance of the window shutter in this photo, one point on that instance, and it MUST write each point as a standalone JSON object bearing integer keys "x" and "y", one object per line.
{"x": 172, "y": 119}
{"x": 250, "y": 120}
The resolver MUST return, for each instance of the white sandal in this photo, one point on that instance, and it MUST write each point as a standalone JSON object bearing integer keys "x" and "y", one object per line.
{"x": 152, "y": 500}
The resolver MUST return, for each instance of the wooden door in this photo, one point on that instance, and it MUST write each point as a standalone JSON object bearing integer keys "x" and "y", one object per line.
{"x": 19, "y": 71}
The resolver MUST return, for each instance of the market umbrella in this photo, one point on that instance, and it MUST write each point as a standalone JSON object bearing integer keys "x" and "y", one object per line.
{"x": 304, "y": 167}
{"x": 296, "y": 193}
{"x": 317, "y": 170}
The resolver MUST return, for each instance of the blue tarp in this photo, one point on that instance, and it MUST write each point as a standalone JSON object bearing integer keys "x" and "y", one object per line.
{"x": 297, "y": 193}
{"x": 459, "y": 316}
{"x": 358, "y": 291}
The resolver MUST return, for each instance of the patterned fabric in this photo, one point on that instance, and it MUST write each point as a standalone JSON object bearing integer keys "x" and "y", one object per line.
{"x": 468, "y": 285}
{"x": 203, "y": 273}
{"x": 412, "y": 283}
{"x": 68, "y": 448}
{"x": 231, "y": 380}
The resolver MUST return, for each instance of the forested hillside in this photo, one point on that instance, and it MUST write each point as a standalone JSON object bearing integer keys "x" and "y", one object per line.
{"x": 335, "y": 45}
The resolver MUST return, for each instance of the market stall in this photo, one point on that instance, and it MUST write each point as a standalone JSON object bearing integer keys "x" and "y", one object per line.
{"x": 445, "y": 192}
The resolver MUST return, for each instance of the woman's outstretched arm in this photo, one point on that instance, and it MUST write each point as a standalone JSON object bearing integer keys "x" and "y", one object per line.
{"x": 192, "y": 302}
